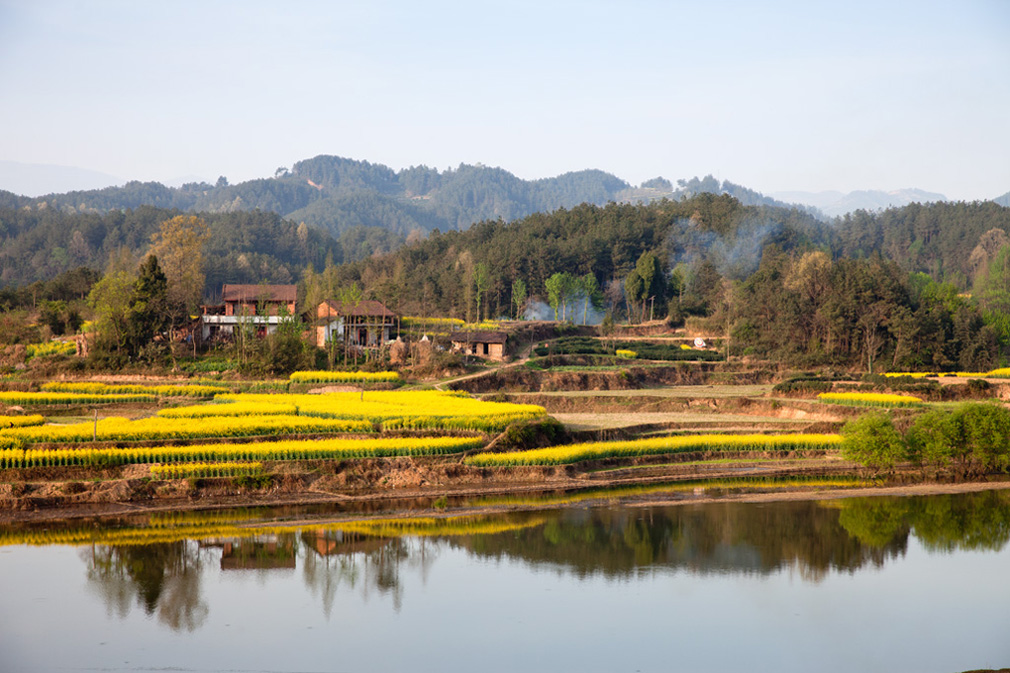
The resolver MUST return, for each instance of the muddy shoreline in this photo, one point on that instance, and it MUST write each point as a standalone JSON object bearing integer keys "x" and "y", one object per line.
{"x": 419, "y": 484}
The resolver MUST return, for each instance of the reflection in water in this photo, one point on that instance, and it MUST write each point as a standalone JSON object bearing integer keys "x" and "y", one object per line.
{"x": 371, "y": 556}
{"x": 335, "y": 558}
{"x": 943, "y": 523}
{"x": 711, "y": 538}
{"x": 162, "y": 578}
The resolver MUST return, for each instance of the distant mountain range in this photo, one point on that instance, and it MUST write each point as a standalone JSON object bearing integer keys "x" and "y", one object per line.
{"x": 40, "y": 179}
{"x": 344, "y": 195}
{"x": 833, "y": 203}
{"x": 340, "y": 195}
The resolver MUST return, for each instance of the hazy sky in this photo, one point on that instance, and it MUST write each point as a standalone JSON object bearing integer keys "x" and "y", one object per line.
{"x": 772, "y": 95}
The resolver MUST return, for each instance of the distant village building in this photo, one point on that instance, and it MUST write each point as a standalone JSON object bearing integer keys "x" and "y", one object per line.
{"x": 260, "y": 308}
{"x": 490, "y": 345}
{"x": 268, "y": 552}
{"x": 259, "y": 299}
{"x": 366, "y": 323}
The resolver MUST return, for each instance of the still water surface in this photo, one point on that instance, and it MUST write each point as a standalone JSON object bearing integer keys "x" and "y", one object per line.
{"x": 875, "y": 584}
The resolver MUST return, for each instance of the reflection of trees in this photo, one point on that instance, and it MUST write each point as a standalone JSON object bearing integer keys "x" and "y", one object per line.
{"x": 740, "y": 537}
{"x": 335, "y": 558}
{"x": 718, "y": 537}
{"x": 847, "y": 534}
{"x": 161, "y": 578}
{"x": 970, "y": 521}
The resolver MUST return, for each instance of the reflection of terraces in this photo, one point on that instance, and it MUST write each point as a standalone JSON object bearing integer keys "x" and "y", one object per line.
{"x": 258, "y": 553}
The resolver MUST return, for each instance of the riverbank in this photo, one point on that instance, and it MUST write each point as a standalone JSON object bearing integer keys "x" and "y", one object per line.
{"x": 701, "y": 402}
{"x": 411, "y": 485}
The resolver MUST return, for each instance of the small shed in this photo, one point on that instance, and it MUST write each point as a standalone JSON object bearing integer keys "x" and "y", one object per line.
{"x": 490, "y": 345}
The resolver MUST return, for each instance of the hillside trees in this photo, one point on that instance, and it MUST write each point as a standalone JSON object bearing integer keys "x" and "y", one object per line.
{"x": 110, "y": 300}
{"x": 148, "y": 314}
{"x": 481, "y": 282}
{"x": 992, "y": 290}
{"x": 605, "y": 241}
{"x": 809, "y": 309}
{"x": 939, "y": 238}
{"x": 178, "y": 245}
{"x": 559, "y": 287}
{"x": 519, "y": 296}
{"x": 646, "y": 283}
{"x": 592, "y": 296}
{"x": 243, "y": 247}
{"x": 132, "y": 309}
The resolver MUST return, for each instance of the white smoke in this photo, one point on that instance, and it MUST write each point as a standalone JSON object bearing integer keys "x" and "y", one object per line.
{"x": 573, "y": 311}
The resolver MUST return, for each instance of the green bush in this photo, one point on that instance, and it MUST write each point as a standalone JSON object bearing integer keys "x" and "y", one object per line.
{"x": 644, "y": 349}
{"x": 872, "y": 440}
{"x": 802, "y": 385}
{"x": 904, "y": 384}
{"x": 972, "y": 439}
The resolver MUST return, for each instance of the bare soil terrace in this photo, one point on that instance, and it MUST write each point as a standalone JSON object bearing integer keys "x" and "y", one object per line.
{"x": 681, "y": 400}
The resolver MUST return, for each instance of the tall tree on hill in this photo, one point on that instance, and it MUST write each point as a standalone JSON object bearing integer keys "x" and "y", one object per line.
{"x": 589, "y": 288}
{"x": 147, "y": 316}
{"x": 992, "y": 290}
{"x": 561, "y": 287}
{"x": 519, "y": 296}
{"x": 110, "y": 299}
{"x": 179, "y": 246}
{"x": 646, "y": 283}
{"x": 481, "y": 281}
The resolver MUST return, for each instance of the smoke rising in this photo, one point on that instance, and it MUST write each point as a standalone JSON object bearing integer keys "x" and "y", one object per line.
{"x": 735, "y": 254}
{"x": 538, "y": 310}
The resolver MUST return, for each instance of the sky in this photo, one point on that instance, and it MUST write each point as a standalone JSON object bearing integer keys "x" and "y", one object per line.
{"x": 775, "y": 96}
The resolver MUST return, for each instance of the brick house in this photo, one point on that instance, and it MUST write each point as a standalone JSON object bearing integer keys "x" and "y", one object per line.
{"x": 367, "y": 323}
{"x": 490, "y": 345}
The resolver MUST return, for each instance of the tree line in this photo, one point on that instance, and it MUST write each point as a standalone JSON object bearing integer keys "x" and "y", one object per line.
{"x": 778, "y": 282}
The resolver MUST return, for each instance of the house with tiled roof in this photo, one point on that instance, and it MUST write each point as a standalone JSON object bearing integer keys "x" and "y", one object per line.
{"x": 259, "y": 299}
{"x": 488, "y": 345}
{"x": 366, "y": 323}
{"x": 258, "y": 308}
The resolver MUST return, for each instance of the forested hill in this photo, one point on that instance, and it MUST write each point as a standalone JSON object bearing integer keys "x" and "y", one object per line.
{"x": 951, "y": 241}
{"x": 748, "y": 197}
{"x": 711, "y": 236}
{"x": 244, "y": 247}
{"x": 340, "y": 194}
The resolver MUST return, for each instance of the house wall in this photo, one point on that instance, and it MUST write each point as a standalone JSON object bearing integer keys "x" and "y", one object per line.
{"x": 250, "y": 308}
{"x": 481, "y": 349}
{"x": 329, "y": 331}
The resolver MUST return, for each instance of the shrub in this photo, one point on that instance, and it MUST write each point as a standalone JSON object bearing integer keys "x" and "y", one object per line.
{"x": 972, "y": 439}
{"x": 802, "y": 385}
{"x": 873, "y": 441}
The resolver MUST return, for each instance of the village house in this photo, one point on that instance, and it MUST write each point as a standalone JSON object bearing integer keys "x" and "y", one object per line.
{"x": 366, "y": 323}
{"x": 259, "y": 299}
{"x": 490, "y": 345}
{"x": 259, "y": 307}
